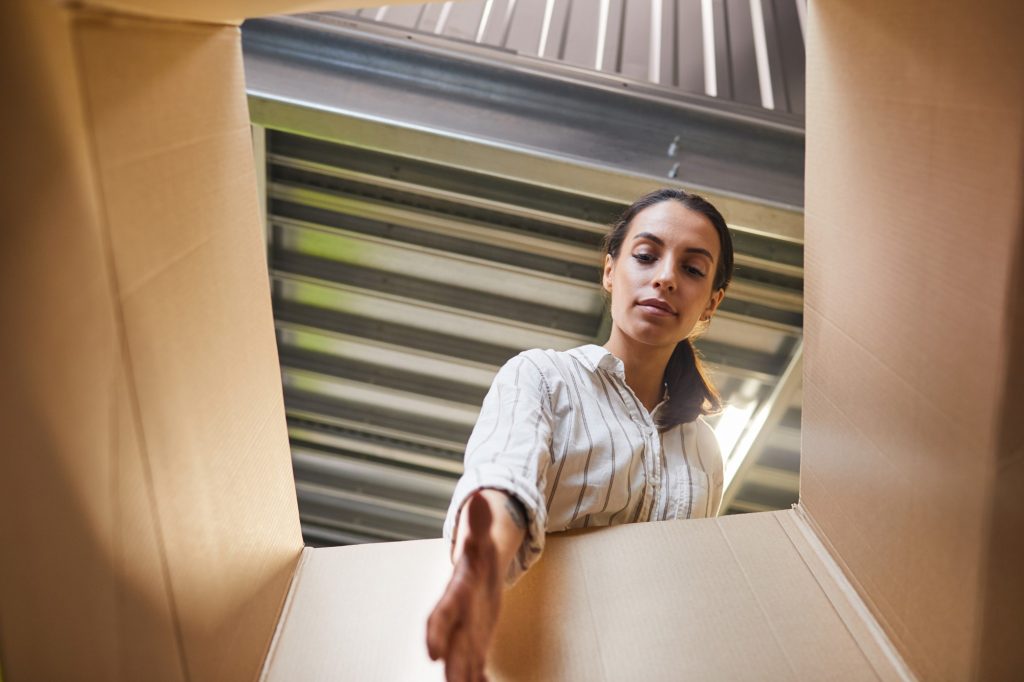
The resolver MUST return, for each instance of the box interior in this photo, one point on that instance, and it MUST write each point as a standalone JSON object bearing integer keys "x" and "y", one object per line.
{"x": 722, "y": 598}
{"x": 913, "y": 250}
{"x": 148, "y": 487}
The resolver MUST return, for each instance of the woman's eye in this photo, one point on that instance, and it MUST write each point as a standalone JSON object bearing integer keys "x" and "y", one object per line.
{"x": 644, "y": 257}
{"x": 696, "y": 272}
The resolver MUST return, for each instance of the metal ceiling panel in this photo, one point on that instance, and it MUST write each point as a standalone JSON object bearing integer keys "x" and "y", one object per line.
{"x": 478, "y": 92}
{"x": 748, "y": 51}
{"x": 409, "y": 260}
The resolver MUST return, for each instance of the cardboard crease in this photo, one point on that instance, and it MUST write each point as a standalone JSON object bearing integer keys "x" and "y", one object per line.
{"x": 285, "y": 612}
{"x": 594, "y": 623}
{"x": 799, "y": 527}
{"x": 894, "y": 630}
{"x": 925, "y": 399}
{"x": 126, "y": 356}
{"x": 757, "y": 599}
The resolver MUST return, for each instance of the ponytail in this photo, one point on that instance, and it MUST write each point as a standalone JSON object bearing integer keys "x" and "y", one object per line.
{"x": 691, "y": 393}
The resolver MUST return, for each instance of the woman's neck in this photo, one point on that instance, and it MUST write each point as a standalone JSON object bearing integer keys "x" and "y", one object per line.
{"x": 644, "y": 366}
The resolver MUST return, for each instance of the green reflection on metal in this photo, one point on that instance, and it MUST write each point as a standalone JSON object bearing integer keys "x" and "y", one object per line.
{"x": 315, "y": 342}
{"x": 331, "y": 247}
{"x": 318, "y": 296}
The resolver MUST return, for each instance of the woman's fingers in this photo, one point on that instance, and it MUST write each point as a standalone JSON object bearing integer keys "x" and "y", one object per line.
{"x": 437, "y": 637}
{"x": 473, "y": 657}
{"x": 459, "y": 628}
{"x": 456, "y": 633}
{"x": 442, "y": 620}
{"x": 477, "y": 665}
{"x": 457, "y": 664}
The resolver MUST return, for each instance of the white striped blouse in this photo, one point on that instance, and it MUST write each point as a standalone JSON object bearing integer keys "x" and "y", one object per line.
{"x": 564, "y": 434}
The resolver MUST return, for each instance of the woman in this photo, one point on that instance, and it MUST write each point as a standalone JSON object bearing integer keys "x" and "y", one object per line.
{"x": 595, "y": 435}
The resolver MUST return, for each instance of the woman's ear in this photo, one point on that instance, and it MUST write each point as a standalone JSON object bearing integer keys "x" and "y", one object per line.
{"x": 713, "y": 303}
{"x": 606, "y": 278}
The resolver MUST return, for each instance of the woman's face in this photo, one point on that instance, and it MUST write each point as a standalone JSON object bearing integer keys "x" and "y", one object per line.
{"x": 661, "y": 281}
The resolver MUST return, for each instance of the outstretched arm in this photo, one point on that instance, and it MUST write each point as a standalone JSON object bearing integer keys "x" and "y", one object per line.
{"x": 491, "y": 528}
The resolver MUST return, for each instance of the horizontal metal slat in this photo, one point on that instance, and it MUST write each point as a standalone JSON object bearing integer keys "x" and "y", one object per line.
{"x": 393, "y": 333}
{"x": 381, "y": 435}
{"x": 372, "y": 478}
{"x": 385, "y": 307}
{"x": 450, "y": 388}
{"x": 466, "y": 200}
{"x": 497, "y": 279}
{"x": 396, "y": 357}
{"x": 318, "y": 410}
{"x": 449, "y": 225}
{"x": 374, "y": 396}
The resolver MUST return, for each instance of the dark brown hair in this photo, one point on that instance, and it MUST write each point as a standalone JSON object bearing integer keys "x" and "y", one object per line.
{"x": 691, "y": 392}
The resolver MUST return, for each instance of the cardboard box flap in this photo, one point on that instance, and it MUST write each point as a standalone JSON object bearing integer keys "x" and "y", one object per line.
{"x": 739, "y": 597}
{"x": 999, "y": 649}
{"x": 224, "y": 11}
{"x": 178, "y": 191}
{"x": 80, "y": 587}
{"x": 148, "y": 490}
{"x": 915, "y": 156}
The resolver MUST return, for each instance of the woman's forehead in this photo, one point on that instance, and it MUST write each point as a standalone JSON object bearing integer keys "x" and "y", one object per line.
{"x": 673, "y": 222}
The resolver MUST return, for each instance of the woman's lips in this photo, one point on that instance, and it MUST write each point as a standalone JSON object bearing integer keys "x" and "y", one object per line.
{"x": 655, "y": 307}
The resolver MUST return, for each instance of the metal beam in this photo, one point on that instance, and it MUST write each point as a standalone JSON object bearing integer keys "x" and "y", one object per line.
{"x": 470, "y": 200}
{"x": 771, "y": 477}
{"x": 761, "y": 425}
{"x": 259, "y": 153}
{"x": 599, "y": 137}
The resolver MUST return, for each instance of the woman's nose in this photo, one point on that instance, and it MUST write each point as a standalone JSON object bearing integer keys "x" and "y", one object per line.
{"x": 665, "y": 278}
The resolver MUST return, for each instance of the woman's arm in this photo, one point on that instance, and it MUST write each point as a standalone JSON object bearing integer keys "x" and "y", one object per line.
{"x": 491, "y": 528}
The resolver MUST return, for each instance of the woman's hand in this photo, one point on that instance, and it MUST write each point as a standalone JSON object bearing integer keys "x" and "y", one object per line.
{"x": 459, "y": 629}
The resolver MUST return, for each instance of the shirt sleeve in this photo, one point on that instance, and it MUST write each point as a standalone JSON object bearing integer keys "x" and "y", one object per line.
{"x": 510, "y": 450}
{"x": 708, "y": 444}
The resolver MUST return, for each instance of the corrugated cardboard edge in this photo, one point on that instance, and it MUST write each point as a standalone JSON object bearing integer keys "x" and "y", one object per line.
{"x": 227, "y": 12}
{"x": 998, "y": 654}
{"x": 286, "y": 610}
{"x": 852, "y": 610}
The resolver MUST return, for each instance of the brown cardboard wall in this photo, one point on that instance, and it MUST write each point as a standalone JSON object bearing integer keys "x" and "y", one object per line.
{"x": 174, "y": 159}
{"x": 147, "y": 512}
{"x": 742, "y": 597}
{"x": 1002, "y": 631}
{"x": 149, "y": 521}
{"x": 78, "y": 596}
{"x": 913, "y": 218}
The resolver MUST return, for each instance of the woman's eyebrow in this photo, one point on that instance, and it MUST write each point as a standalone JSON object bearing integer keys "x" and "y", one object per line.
{"x": 703, "y": 252}
{"x": 650, "y": 237}
{"x": 660, "y": 242}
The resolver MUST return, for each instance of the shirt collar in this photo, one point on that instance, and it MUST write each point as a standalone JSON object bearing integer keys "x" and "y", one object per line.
{"x": 598, "y": 357}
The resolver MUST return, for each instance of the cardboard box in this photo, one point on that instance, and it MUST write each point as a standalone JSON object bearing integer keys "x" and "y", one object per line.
{"x": 149, "y": 523}
{"x": 913, "y": 449}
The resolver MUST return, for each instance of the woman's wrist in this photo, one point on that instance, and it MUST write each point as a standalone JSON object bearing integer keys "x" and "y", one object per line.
{"x": 508, "y": 526}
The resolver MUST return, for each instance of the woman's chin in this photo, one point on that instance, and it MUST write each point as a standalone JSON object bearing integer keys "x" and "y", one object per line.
{"x": 655, "y": 338}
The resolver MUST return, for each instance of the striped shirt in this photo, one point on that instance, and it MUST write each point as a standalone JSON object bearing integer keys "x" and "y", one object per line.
{"x": 564, "y": 434}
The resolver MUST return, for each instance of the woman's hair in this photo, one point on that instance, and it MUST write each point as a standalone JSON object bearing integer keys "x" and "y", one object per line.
{"x": 691, "y": 392}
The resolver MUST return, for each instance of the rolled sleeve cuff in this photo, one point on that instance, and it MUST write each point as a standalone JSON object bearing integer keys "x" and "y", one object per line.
{"x": 501, "y": 477}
